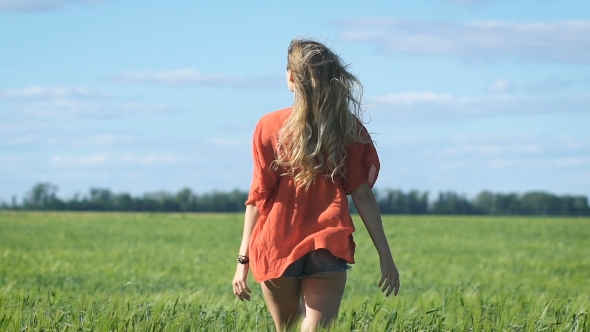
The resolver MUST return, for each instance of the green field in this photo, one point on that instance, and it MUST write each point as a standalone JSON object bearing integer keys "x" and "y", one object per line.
{"x": 173, "y": 272}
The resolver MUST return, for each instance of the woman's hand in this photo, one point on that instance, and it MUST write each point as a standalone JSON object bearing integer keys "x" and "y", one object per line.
{"x": 240, "y": 286}
{"x": 368, "y": 209}
{"x": 389, "y": 276}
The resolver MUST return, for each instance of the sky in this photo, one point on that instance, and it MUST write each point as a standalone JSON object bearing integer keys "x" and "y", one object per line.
{"x": 144, "y": 96}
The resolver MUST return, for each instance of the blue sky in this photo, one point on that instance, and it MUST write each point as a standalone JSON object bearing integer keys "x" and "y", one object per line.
{"x": 138, "y": 96}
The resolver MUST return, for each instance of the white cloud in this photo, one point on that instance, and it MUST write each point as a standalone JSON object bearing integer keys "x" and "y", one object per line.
{"x": 481, "y": 41}
{"x": 455, "y": 165}
{"x": 48, "y": 135}
{"x": 68, "y": 108}
{"x": 10, "y": 163}
{"x": 474, "y": 3}
{"x": 490, "y": 149}
{"x": 550, "y": 85}
{"x": 60, "y": 108}
{"x": 143, "y": 107}
{"x": 190, "y": 77}
{"x": 466, "y": 163}
{"x": 475, "y": 162}
{"x": 72, "y": 101}
{"x": 20, "y": 140}
{"x": 90, "y": 160}
{"x": 37, "y": 91}
{"x": 234, "y": 144}
{"x": 428, "y": 107}
{"x": 568, "y": 143}
{"x": 176, "y": 77}
{"x": 149, "y": 160}
{"x": 500, "y": 86}
{"x": 37, "y": 5}
{"x": 111, "y": 139}
{"x": 468, "y": 3}
{"x": 490, "y": 146}
{"x": 109, "y": 160}
{"x": 545, "y": 163}
{"x": 9, "y": 128}
{"x": 102, "y": 140}
{"x": 413, "y": 98}
{"x": 571, "y": 162}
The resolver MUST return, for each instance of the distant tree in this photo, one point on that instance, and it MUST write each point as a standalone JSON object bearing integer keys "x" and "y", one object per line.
{"x": 507, "y": 204}
{"x": 123, "y": 202}
{"x": 580, "y": 203}
{"x": 485, "y": 203}
{"x": 540, "y": 203}
{"x": 452, "y": 203}
{"x": 351, "y": 206}
{"x": 186, "y": 199}
{"x": 397, "y": 202}
{"x": 158, "y": 201}
{"x": 238, "y": 199}
{"x": 393, "y": 202}
{"x": 101, "y": 199}
{"x": 573, "y": 205}
{"x": 417, "y": 202}
{"x": 42, "y": 196}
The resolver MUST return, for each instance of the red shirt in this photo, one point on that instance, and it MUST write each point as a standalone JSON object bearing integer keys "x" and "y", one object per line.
{"x": 294, "y": 221}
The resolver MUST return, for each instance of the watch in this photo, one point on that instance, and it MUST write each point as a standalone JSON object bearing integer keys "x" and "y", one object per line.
{"x": 243, "y": 259}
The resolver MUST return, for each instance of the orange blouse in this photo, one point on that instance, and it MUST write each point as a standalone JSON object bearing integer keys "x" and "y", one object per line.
{"x": 294, "y": 221}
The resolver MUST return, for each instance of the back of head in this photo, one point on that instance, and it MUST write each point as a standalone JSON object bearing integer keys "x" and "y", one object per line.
{"x": 325, "y": 116}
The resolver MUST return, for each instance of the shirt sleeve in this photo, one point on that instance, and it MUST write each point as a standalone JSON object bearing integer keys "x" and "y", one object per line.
{"x": 362, "y": 165}
{"x": 264, "y": 179}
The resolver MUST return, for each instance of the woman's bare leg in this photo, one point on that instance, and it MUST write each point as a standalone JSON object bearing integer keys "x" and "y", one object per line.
{"x": 322, "y": 295}
{"x": 283, "y": 300}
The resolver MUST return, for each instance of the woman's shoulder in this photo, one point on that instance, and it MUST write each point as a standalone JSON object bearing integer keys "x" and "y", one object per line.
{"x": 270, "y": 124}
{"x": 276, "y": 116}
{"x": 273, "y": 121}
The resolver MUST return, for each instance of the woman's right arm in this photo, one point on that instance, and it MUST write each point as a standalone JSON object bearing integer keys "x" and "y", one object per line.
{"x": 241, "y": 288}
{"x": 366, "y": 205}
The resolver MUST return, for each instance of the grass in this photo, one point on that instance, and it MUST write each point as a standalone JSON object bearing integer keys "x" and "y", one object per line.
{"x": 173, "y": 272}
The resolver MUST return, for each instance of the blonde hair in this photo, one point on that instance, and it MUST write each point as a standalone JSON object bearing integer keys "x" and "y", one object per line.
{"x": 325, "y": 116}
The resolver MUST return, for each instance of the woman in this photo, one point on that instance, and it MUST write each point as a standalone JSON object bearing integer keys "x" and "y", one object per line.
{"x": 297, "y": 237}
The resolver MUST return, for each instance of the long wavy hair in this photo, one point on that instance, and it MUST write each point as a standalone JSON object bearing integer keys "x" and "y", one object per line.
{"x": 325, "y": 118}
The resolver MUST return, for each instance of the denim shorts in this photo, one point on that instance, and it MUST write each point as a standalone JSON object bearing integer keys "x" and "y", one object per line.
{"x": 319, "y": 261}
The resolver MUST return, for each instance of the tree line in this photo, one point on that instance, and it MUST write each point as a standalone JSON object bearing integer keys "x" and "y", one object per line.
{"x": 43, "y": 196}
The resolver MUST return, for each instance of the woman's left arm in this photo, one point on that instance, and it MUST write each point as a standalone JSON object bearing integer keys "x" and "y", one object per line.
{"x": 368, "y": 209}
{"x": 241, "y": 288}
